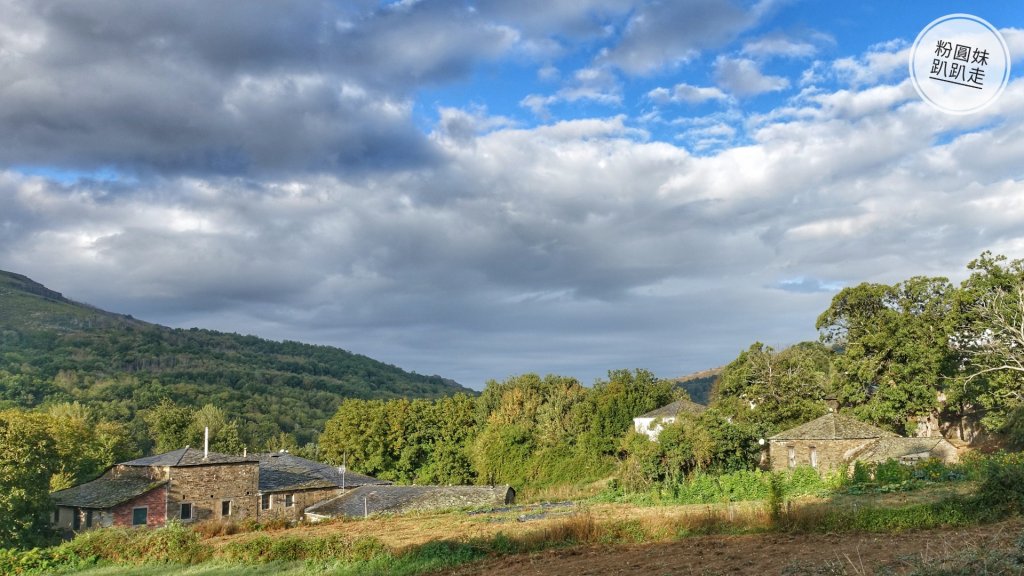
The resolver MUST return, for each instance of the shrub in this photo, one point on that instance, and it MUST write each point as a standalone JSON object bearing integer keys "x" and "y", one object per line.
{"x": 891, "y": 472}
{"x": 1002, "y": 485}
{"x": 172, "y": 543}
{"x": 37, "y": 560}
{"x": 334, "y": 547}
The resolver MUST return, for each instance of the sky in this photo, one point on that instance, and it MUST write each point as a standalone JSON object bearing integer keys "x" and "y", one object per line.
{"x": 484, "y": 188}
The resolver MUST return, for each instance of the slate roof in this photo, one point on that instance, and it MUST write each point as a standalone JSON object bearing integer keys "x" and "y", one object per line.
{"x": 833, "y": 426}
{"x": 105, "y": 491}
{"x": 187, "y": 457}
{"x": 399, "y": 499}
{"x": 896, "y": 448}
{"x": 673, "y": 409}
{"x": 281, "y": 471}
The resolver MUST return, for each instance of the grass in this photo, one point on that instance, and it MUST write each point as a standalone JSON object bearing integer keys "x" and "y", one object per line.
{"x": 334, "y": 554}
{"x": 409, "y": 546}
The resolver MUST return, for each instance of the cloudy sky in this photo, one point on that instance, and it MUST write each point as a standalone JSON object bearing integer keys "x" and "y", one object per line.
{"x": 480, "y": 188}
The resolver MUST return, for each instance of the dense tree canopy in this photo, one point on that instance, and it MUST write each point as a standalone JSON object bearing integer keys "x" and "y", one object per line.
{"x": 895, "y": 348}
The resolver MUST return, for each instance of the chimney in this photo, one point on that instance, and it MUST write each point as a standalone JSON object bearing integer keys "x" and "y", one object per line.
{"x": 206, "y": 443}
{"x": 833, "y": 404}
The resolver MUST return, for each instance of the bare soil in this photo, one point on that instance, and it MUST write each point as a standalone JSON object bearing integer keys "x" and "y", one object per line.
{"x": 755, "y": 554}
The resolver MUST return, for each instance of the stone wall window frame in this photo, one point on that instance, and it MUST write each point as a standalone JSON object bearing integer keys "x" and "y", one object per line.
{"x": 225, "y": 508}
{"x": 185, "y": 513}
{"x": 814, "y": 457}
{"x": 266, "y": 502}
{"x": 791, "y": 456}
{"x": 140, "y": 515}
{"x": 289, "y": 500}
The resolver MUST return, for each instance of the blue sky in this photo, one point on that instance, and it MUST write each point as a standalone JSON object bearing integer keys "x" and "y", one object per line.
{"x": 485, "y": 188}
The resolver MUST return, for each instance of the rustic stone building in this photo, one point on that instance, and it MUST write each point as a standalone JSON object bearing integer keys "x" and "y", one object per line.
{"x": 834, "y": 441}
{"x": 290, "y": 484}
{"x": 379, "y": 499}
{"x": 186, "y": 485}
{"x": 652, "y": 422}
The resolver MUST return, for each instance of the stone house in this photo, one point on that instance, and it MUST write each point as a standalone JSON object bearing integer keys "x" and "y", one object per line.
{"x": 186, "y": 485}
{"x": 834, "y": 441}
{"x": 652, "y": 422}
{"x": 288, "y": 484}
{"x": 387, "y": 499}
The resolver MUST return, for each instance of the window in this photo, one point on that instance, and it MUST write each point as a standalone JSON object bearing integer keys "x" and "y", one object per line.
{"x": 265, "y": 502}
{"x": 792, "y": 456}
{"x": 140, "y": 516}
{"x": 288, "y": 501}
{"x": 88, "y": 518}
{"x": 56, "y": 515}
{"x": 814, "y": 457}
{"x": 225, "y": 508}
{"x": 76, "y": 518}
{"x": 186, "y": 511}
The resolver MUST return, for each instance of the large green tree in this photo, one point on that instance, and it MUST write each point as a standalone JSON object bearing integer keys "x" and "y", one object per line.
{"x": 28, "y": 457}
{"x": 776, "y": 390}
{"x": 989, "y": 338}
{"x": 895, "y": 355}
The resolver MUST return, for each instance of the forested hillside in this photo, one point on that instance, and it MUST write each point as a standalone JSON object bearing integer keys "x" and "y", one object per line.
{"x": 55, "y": 350}
{"x": 699, "y": 384}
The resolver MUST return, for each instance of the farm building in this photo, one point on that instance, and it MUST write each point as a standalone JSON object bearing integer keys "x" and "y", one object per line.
{"x": 289, "y": 484}
{"x": 189, "y": 485}
{"x": 834, "y": 441}
{"x": 185, "y": 484}
{"x": 652, "y": 422}
{"x": 400, "y": 499}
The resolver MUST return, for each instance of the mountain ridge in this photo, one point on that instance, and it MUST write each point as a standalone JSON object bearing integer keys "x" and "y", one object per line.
{"x": 54, "y": 349}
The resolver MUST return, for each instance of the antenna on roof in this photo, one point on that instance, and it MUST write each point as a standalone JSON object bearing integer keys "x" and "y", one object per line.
{"x": 206, "y": 443}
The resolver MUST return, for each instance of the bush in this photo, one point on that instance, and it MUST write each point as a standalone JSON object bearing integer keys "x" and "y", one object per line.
{"x": 334, "y": 547}
{"x": 37, "y": 560}
{"x": 891, "y": 472}
{"x": 172, "y": 543}
{"x": 1002, "y": 485}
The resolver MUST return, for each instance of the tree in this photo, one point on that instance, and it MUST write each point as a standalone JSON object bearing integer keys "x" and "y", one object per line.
{"x": 612, "y": 404}
{"x": 170, "y": 426}
{"x": 776, "y": 390}
{"x": 895, "y": 356}
{"x": 224, "y": 436}
{"x": 990, "y": 341}
{"x": 27, "y": 458}
{"x": 85, "y": 446}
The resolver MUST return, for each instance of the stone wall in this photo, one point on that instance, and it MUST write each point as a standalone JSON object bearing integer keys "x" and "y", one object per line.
{"x": 155, "y": 501}
{"x": 207, "y": 487}
{"x": 831, "y": 454}
{"x": 301, "y": 499}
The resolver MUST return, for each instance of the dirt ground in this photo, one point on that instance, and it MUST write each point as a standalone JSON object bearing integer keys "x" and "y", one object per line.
{"x": 753, "y": 554}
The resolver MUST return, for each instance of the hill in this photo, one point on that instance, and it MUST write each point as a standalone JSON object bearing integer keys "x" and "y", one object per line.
{"x": 698, "y": 385}
{"x": 53, "y": 349}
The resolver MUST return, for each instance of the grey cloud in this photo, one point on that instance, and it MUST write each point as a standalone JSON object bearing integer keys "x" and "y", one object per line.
{"x": 212, "y": 88}
{"x": 575, "y": 247}
{"x": 661, "y": 34}
{"x": 806, "y": 285}
{"x": 743, "y": 77}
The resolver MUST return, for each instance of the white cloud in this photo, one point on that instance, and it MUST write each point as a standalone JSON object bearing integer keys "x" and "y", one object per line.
{"x": 774, "y": 46}
{"x": 688, "y": 93}
{"x": 881, "y": 63}
{"x": 593, "y": 84}
{"x": 743, "y": 77}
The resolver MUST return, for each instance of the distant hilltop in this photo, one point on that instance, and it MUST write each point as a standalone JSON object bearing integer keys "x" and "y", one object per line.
{"x": 57, "y": 350}
{"x": 698, "y": 385}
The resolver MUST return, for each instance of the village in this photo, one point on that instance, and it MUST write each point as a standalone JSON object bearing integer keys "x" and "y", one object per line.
{"x": 190, "y": 485}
